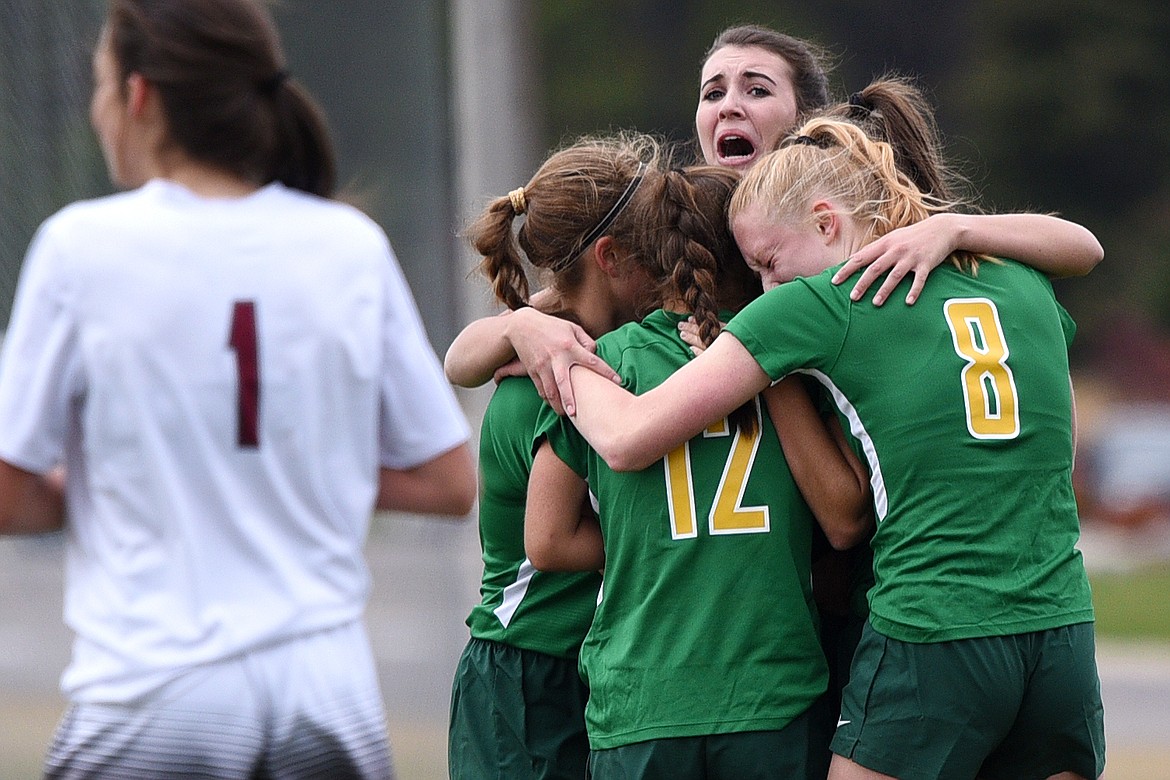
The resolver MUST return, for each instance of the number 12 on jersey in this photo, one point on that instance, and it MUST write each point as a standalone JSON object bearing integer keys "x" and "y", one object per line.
{"x": 728, "y": 515}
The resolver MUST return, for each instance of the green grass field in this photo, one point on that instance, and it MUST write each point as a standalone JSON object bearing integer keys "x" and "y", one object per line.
{"x": 1133, "y": 604}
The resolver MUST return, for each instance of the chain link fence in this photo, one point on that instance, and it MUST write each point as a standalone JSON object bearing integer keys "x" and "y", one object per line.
{"x": 48, "y": 156}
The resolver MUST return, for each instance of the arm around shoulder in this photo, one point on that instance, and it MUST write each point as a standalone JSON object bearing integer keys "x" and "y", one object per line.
{"x": 479, "y": 349}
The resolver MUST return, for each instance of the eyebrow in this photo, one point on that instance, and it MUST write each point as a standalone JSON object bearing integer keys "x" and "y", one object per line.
{"x": 750, "y": 74}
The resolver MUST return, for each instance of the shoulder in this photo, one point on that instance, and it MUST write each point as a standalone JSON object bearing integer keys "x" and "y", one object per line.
{"x": 512, "y": 394}
{"x": 97, "y": 213}
{"x": 314, "y": 212}
{"x": 656, "y": 328}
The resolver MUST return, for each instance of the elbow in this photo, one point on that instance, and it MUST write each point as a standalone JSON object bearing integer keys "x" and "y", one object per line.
{"x": 30, "y": 503}
{"x": 622, "y": 454}
{"x": 541, "y": 553}
{"x": 457, "y": 375}
{"x": 16, "y": 523}
{"x": 463, "y": 489}
{"x": 1098, "y": 254}
{"x": 848, "y": 535}
{"x": 1094, "y": 253}
{"x": 459, "y": 503}
{"x": 542, "y": 561}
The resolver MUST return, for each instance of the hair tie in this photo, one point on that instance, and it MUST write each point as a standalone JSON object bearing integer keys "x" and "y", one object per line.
{"x": 606, "y": 221}
{"x": 857, "y": 100}
{"x": 519, "y": 202}
{"x": 269, "y": 85}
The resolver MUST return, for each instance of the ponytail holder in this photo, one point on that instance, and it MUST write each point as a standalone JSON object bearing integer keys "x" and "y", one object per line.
{"x": 519, "y": 202}
{"x": 857, "y": 100}
{"x": 269, "y": 85}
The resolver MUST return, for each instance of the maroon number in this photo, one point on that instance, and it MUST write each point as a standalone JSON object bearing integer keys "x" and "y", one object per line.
{"x": 243, "y": 342}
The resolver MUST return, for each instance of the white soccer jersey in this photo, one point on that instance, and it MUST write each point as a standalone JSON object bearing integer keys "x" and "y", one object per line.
{"x": 221, "y": 379}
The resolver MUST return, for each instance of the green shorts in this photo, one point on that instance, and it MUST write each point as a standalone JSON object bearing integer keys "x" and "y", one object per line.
{"x": 1018, "y": 706}
{"x": 516, "y": 714}
{"x": 799, "y": 751}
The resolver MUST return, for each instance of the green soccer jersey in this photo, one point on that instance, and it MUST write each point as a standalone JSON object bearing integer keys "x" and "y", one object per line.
{"x": 961, "y": 405}
{"x": 520, "y": 606}
{"x": 706, "y": 623}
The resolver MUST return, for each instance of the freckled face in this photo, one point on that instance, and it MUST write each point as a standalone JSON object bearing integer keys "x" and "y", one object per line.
{"x": 779, "y": 250}
{"x": 747, "y": 104}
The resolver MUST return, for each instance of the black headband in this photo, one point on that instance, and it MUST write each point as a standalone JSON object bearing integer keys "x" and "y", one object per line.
{"x": 607, "y": 220}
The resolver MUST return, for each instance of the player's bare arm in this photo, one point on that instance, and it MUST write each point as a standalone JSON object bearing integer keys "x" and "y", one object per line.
{"x": 832, "y": 479}
{"x": 560, "y": 533}
{"x": 30, "y": 503}
{"x": 631, "y": 432}
{"x": 444, "y": 485}
{"x": 1049, "y": 244}
{"x": 543, "y": 344}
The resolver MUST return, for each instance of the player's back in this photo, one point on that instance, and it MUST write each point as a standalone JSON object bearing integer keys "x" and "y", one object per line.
{"x": 705, "y": 625}
{"x": 226, "y": 390}
{"x": 961, "y": 406}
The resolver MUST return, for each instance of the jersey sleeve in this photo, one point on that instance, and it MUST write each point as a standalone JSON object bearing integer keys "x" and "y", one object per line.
{"x": 565, "y": 440}
{"x": 420, "y": 416}
{"x": 1067, "y": 325}
{"x": 800, "y": 324}
{"x": 40, "y": 365}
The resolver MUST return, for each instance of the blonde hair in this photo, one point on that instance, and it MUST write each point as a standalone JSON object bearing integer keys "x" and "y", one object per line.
{"x": 836, "y": 160}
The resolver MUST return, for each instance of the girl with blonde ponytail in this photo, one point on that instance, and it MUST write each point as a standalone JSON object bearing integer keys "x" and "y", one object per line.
{"x": 978, "y": 657}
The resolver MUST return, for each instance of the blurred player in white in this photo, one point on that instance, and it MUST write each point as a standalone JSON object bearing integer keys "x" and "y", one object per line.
{"x": 220, "y": 373}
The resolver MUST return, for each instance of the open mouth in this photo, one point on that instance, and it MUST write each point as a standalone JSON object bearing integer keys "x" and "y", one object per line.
{"x": 733, "y": 146}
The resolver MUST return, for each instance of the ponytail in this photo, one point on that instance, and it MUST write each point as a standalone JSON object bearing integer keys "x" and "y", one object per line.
{"x": 229, "y": 103}
{"x": 303, "y": 155}
{"x": 491, "y": 235}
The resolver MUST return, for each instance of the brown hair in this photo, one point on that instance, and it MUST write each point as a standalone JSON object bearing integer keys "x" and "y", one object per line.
{"x": 687, "y": 247}
{"x": 893, "y": 109}
{"x": 810, "y": 80}
{"x": 228, "y": 99}
{"x": 564, "y": 202}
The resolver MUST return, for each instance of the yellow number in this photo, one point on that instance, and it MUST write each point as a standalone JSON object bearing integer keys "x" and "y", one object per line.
{"x": 989, "y": 388}
{"x": 728, "y": 515}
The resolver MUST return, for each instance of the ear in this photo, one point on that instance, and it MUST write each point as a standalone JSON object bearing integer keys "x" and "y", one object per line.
{"x": 606, "y": 255}
{"x": 138, "y": 91}
{"x": 826, "y": 220}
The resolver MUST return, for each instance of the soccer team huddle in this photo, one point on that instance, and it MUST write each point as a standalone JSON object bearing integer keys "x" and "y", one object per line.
{"x": 774, "y": 482}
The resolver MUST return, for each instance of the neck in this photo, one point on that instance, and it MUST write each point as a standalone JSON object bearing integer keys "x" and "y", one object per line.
{"x": 594, "y": 304}
{"x": 204, "y": 180}
{"x": 596, "y": 316}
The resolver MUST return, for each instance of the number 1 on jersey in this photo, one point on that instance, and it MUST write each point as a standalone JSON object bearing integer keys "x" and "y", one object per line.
{"x": 244, "y": 343}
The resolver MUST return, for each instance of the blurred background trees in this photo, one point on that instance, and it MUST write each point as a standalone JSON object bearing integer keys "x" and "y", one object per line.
{"x": 1052, "y": 105}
